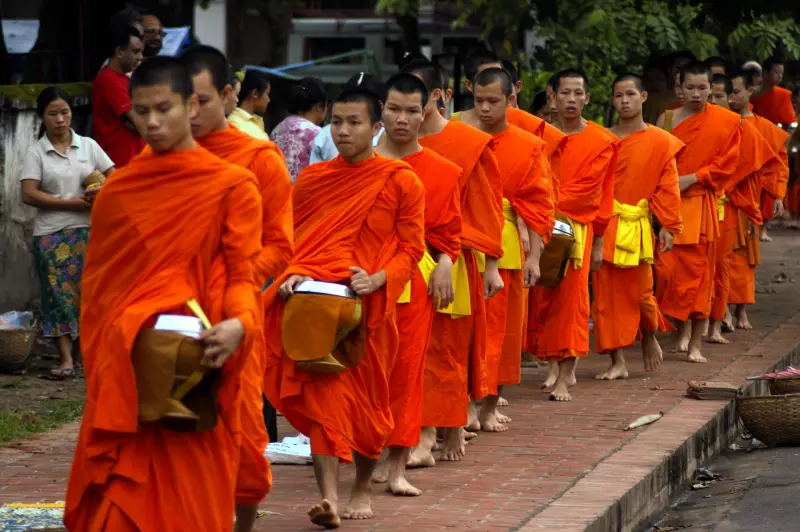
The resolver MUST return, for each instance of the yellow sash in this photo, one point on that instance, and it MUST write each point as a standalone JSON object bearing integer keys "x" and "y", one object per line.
{"x": 579, "y": 232}
{"x": 512, "y": 257}
{"x": 634, "y": 243}
{"x": 460, "y": 305}
{"x": 721, "y": 201}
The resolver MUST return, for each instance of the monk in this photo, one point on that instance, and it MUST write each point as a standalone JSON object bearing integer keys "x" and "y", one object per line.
{"x": 741, "y": 212}
{"x": 645, "y": 187}
{"x": 553, "y": 104}
{"x": 773, "y": 177}
{"x": 528, "y": 208}
{"x": 773, "y": 101}
{"x": 455, "y": 367}
{"x": 359, "y": 222}
{"x": 211, "y": 75}
{"x": 431, "y": 288}
{"x": 160, "y": 228}
{"x": 685, "y": 276}
{"x": 717, "y": 65}
{"x": 584, "y": 185}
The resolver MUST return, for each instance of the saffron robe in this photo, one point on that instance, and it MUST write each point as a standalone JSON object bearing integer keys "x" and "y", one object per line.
{"x": 528, "y": 188}
{"x": 685, "y": 275}
{"x": 742, "y": 193}
{"x": 624, "y": 301}
{"x": 163, "y": 228}
{"x": 537, "y": 127}
{"x": 415, "y": 318}
{"x": 774, "y": 188}
{"x": 584, "y": 184}
{"x": 455, "y": 365}
{"x": 265, "y": 161}
{"x": 775, "y": 106}
{"x": 370, "y": 215}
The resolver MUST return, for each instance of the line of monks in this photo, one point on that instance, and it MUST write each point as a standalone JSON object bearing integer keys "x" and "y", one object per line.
{"x": 435, "y": 242}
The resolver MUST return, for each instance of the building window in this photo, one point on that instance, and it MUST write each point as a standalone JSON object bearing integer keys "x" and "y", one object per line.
{"x": 318, "y": 47}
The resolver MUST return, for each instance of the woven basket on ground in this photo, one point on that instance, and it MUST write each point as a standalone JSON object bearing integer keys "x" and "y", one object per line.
{"x": 15, "y": 347}
{"x": 784, "y": 386}
{"x": 773, "y": 419}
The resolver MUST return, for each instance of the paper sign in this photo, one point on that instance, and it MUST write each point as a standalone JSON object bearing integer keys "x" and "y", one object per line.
{"x": 173, "y": 40}
{"x": 20, "y": 35}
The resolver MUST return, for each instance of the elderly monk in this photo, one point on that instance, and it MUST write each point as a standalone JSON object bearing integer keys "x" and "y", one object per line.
{"x": 211, "y": 76}
{"x": 645, "y": 187}
{"x": 527, "y": 204}
{"x": 685, "y": 276}
{"x": 584, "y": 170}
{"x": 739, "y": 211}
{"x": 773, "y": 101}
{"x": 455, "y": 367}
{"x": 359, "y": 223}
{"x": 163, "y": 228}
{"x": 431, "y": 288}
{"x": 773, "y": 177}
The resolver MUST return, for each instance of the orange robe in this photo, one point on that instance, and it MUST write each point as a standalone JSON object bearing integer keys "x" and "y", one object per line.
{"x": 743, "y": 193}
{"x": 584, "y": 172}
{"x": 415, "y": 318}
{"x": 772, "y": 188}
{"x": 265, "y": 161}
{"x": 163, "y": 228}
{"x": 370, "y": 215}
{"x": 685, "y": 275}
{"x": 455, "y": 365}
{"x": 775, "y": 106}
{"x": 624, "y": 301}
{"x": 537, "y": 127}
{"x": 527, "y": 186}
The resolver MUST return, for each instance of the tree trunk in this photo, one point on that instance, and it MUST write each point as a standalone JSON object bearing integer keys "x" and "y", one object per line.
{"x": 409, "y": 23}
{"x": 278, "y": 16}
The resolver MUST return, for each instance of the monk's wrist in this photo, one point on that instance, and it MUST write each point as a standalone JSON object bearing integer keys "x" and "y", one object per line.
{"x": 445, "y": 260}
{"x": 379, "y": 278}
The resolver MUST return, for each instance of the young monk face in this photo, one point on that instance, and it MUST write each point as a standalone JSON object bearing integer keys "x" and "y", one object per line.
{"x": 696, "y": 89}
{"x": 776, "y": 74}
{"x": 740, "y": 98}
{"x": 552, "y": 104}
{"x": 162, "y": 117}
{"x": 628, "y": 99}
{"x": 352, "y": 131}
{"x": 402, "y": 116}
{"x": 571, "y": 98}
{"x": 677, "y": 86}
{"x": 490, "y": 103}
{"x": 481, "y": 68}
{"x": 211, "y": 116}
{"x": 719, "y": 95}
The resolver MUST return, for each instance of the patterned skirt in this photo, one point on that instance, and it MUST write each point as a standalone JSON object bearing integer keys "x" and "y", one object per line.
{"x": 59, "y": 262}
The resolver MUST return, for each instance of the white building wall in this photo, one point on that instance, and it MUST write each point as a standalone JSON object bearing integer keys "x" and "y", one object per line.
{"x": 210, "y": 25}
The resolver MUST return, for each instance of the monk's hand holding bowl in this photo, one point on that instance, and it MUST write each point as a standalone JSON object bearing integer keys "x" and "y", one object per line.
{"x": 492, "y": 282}
{"x": 441, "y": 283}
{"x": 221, "y": 341}
{"x": 364, "y": 283}
{"x": 665, "y": 240}
{"x": 287, "y": 288}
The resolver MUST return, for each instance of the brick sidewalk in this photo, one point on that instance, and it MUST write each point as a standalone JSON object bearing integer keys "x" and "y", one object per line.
{"x": 559, "y": 466}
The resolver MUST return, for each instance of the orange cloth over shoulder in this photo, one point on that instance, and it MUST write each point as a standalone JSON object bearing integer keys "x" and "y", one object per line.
{"x": 536, "y": 127}
{"x": 415, "y": 318}
{"x": 775, "y": 106}
{"x": 558, "y": 326}
{"x": 161, "y": 226}
{"x": 370, "y": 215}
{"x": 624, "y": 301}
{"x": 774, "y": 185}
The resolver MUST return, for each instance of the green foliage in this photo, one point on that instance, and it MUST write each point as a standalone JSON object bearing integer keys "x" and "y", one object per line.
{"x": 47, "y": 414}
{"x": 762, "y": 35}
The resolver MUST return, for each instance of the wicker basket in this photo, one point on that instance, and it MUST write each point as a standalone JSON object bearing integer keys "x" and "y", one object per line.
{"x": 784, "y": 386}
{"x": 15, "y": 347}
{"x": 773, "y": 419}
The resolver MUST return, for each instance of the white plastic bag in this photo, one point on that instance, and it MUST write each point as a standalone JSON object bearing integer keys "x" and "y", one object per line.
{"x": 16, "y": 320}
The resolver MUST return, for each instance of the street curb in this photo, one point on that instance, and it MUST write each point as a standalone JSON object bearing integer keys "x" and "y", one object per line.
{"x": 637, "y": 482}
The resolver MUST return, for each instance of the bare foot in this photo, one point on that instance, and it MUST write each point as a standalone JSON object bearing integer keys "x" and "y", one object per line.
{"x": 552, "y": 375}
{"x": 469, "y": 436}
{"x": 696, "y": 357}
{"x": 716, "y": 334}
{"x": 489, "y": 422}
{"x": 421, "y": 455}
{"x": 765, "y": 237}
{"x": 502, "y": 402}
{"x": 454, "y": 445}
{"x": 560, "y": 393}
{"x": 741, "y": 319}
{"x": 651, "y": 352}
{"x": 325, "y": 515}
{"x": 614, "y": 372}
{"x": 705, "y": 329}
{"x": 359, "y": 507}
{"x": 403, "y": 488}
{"x": 502, "y": 418}
{"x": 473, "y": 424}
{"x": 381, "y": 473}
{"x": 683, "y": 336}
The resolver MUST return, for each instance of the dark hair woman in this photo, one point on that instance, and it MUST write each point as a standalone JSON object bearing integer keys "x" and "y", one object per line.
{"x": 253, "y": 102}
{"x": 56, "y": 173}
{"x": 295, "y": 135}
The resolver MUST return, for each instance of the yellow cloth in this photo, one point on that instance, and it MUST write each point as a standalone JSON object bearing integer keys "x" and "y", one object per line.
{"x": 721, "y": 201}
{"x": 579, "y": 232}
{"x": 460, "y": 305}
{"x": 512, "y": 256}
{"x": 634, "y": 242}
{"x": 253, "y": 125}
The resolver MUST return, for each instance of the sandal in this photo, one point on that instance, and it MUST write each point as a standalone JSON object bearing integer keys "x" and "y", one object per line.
{"x": 59, "y": 374}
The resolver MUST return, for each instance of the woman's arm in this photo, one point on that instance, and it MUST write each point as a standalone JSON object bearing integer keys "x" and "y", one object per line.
{"x": 32, "y": 195}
